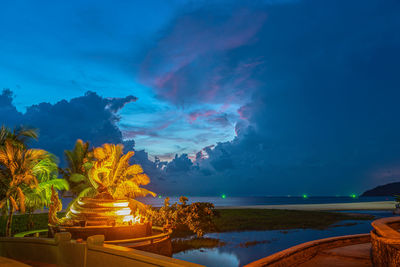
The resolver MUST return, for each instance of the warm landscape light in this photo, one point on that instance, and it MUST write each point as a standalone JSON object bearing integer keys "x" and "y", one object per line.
{"x": 125, "y": 211}
{"x": 120, "y": 204}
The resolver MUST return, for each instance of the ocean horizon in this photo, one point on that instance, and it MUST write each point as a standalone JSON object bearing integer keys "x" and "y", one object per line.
{"x": 227, "y": 201}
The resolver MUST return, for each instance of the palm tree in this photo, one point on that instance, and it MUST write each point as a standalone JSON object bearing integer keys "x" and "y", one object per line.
{"x": 38, "y": 197}
{"x": 19, "y": 135}
{"x": 113, "y": 177}
{"x": 79, "y": 161}
{"x": 17, "y": 174}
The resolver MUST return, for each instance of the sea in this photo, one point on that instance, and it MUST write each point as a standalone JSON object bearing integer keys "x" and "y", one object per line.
{"x": 227, "y": 201}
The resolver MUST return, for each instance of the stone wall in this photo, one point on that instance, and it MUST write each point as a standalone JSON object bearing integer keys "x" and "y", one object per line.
{"x": 385, "y": 242}
{"x": 301, "y": 253}
{"x": 62, "y": 251}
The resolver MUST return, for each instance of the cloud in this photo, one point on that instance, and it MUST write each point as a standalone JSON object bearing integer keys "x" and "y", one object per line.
{"x": 8, "y": 112}
{"x": 322, "y": 117}
{"x": 89, "y": 117}
{"x": 191, "y": 62}
{"x": 310, "y": 87}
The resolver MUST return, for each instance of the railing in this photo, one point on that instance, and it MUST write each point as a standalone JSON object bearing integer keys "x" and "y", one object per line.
{"x": 142, "y": 239}
{"x": 33, "y": 232}
{"x": 62, "y": 251}
{"x": 36, "y": 233}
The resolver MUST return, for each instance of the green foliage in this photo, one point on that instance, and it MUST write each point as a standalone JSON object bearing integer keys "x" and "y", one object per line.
{"x": 46, "y": 172}
{"x": 79, "y": 161}
{"x": 26, "y": 175}
{"x": 196, "y": 217}
{"x": 21, "y": 222}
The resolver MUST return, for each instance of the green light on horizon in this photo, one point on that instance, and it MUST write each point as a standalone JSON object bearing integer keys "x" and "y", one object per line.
{"x": 305, "y": 196}
{"x": 353, "y": 196}
{"x": 159, "y": 196}
{"x": 223, "y": 196}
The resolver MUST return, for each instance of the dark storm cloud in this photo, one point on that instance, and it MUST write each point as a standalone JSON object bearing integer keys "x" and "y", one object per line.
{"x": 323, "y": 117}
{"x": 191, "y": 62}
{"x": 90, "y": 117}
{"x": 8, "y": 112}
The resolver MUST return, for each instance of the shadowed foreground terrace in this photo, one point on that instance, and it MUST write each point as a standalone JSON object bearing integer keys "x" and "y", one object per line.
{"x": 379, "y": 248}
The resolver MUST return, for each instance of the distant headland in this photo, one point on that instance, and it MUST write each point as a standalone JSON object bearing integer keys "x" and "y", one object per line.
{"x": 383, "y": 190}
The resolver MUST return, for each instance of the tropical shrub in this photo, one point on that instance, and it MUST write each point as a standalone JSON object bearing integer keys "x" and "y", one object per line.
{"x": 181, "y": 217}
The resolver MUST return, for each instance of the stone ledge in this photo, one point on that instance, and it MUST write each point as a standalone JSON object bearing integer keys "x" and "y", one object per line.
{"x": 385, "y": 241}
{"x": 301, "y": 253}
{"x": 384, "y": 227}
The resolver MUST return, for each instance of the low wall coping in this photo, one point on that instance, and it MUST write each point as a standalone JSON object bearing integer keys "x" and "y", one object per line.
{"x": 383, "y": 228}
{"x": 309, "y": 249}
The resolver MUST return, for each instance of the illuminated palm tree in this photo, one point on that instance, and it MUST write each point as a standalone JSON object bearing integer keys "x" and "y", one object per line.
{"x": 113, "y": 177}
{"x": 19, "y": 135}
{"x": 46, "y": 173}
{"x": 17, "y": 174}
{"x": 79, "y": 161}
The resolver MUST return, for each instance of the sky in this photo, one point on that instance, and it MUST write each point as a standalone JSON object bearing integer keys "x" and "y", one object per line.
{"x": 272, "y": 97}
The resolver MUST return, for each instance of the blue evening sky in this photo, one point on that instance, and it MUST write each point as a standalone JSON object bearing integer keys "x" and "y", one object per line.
{"x": 59, "y": 50}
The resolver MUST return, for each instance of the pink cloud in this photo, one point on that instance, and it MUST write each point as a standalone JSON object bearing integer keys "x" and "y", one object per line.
{"x": 193, "y": 116}
{"x": 185, "y": 65}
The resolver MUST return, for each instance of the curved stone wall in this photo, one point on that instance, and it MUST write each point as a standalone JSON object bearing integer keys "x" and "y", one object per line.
{"x": 301, "y": 253}
{"x": 385, "y": 242}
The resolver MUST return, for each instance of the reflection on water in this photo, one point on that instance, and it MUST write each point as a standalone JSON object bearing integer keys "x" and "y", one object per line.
{"x": 210, "y": 257}
{"x": 236, "y": 254}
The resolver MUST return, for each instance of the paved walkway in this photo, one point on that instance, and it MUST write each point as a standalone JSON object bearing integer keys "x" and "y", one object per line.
{"x": 349, "y": 256}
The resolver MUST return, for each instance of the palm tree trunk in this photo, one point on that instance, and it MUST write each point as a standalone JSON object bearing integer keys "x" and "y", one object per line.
{"x": 30, "y": 223}
{"x": 9, "y": 221}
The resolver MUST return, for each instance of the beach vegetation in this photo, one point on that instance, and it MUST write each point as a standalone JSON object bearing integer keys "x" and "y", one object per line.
{"x": 185, "y": 219}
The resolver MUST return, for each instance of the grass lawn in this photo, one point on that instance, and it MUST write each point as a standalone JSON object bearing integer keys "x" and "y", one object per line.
{"x": 258, "y": 219}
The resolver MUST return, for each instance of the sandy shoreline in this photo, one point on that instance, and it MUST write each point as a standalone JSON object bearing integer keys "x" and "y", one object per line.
{"x": 376, "y": 205}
